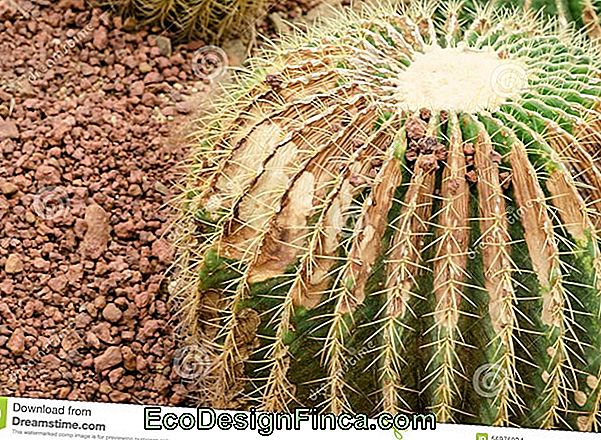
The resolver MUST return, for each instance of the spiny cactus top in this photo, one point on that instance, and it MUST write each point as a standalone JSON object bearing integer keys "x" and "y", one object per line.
{"x": 399, "y": 212}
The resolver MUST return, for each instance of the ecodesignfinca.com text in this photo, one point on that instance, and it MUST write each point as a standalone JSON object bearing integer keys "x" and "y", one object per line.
{"x": 266, "y": 423}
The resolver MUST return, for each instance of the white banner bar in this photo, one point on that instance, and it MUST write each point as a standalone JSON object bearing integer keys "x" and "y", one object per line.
{"x": 22, "y": 419}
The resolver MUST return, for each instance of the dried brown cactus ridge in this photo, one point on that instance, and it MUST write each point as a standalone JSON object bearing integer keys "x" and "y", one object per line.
{"x": 399, "y": 211}
{"x": 207, "y": 20}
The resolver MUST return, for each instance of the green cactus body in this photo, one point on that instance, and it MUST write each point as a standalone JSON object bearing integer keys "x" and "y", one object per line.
{"x": 584, "y": 14}
{"x": 399, "y": 212}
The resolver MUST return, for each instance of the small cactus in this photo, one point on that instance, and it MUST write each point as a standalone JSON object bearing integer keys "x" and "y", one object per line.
{"x": 400, "y": 212}
{"x": 208, "y": 20}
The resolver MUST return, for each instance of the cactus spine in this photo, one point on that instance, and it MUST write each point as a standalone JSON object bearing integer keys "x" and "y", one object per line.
{"x": 583, "y": 14}
{"x": 208, "y": 20}
{"x": 400, "y": 212}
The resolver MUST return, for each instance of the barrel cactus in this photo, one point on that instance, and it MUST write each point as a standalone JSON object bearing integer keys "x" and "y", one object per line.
{"x": 399, "y": 211}
{"x": 583, "y": 14}
{"x": 209, "y": 20}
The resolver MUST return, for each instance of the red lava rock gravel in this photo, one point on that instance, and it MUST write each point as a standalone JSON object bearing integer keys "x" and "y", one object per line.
{"x": 85, "y": 162}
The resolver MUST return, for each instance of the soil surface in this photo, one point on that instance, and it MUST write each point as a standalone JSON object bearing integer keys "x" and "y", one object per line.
{"x": 87, "y": 169}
